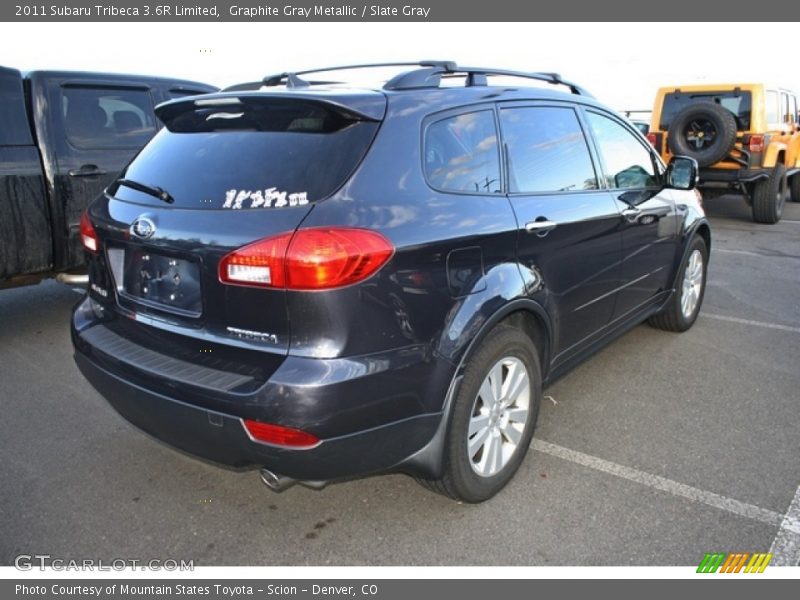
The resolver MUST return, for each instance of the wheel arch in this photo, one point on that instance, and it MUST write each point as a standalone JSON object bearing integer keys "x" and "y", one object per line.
{"x": 521, "y": 312}
{"x": 776, "y": 153}
{"x": 701, "y": 228}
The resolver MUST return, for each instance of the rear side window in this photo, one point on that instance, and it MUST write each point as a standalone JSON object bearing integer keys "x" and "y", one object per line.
{"x": 738, "y": 103}
{"x": 628, "y": 164}
{"x": 461, "y": 154}
{"x": 107, "y": 118}
{"x": 547, "y": 150}
{"x": 263, "y": 157}
{"x": 773, "y": 108}
{"x": 785, "y": 112}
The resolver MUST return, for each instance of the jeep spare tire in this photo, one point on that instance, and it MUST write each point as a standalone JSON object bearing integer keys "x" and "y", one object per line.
{"x": 704, "y": 131}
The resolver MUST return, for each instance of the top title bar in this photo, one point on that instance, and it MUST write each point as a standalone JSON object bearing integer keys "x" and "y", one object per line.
{"x": 401, "y": 10}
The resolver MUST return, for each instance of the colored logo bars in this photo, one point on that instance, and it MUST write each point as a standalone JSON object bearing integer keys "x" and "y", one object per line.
{"x": 734, "y": 562}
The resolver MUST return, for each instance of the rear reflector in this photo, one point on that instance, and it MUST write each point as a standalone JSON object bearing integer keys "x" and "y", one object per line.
{"x": 318, "y": 258}
{"x": 279, "y": 435}
{"x": 88, "y": 234}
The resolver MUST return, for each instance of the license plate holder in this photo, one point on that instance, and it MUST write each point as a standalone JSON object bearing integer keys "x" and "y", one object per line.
{"x": 160, "y": 281}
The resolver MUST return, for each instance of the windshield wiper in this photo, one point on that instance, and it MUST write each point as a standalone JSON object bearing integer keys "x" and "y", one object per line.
{"x": 150, "y": 190}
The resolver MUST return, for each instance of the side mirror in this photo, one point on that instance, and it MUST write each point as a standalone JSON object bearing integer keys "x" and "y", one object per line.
{"x": 682, "y": 173}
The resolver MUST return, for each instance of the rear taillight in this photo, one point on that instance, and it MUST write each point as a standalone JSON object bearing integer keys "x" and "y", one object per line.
{"x": 655, "y": 140}
{"x": 280, "y": 435}
{"x": 318, "y": 258}
{"x": 756, "y": 143}
{"x": 260, "y": 263}
{"x": 89, "y": 235}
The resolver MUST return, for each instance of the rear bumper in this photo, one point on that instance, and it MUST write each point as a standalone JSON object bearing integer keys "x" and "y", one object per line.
{"x": 221, "y": 438}
{"x": 732, "y": 176}
{"x": 215, "y": 432}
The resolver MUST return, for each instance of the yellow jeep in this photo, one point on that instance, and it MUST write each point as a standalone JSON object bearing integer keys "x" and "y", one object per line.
{"x": 744, "y": 136}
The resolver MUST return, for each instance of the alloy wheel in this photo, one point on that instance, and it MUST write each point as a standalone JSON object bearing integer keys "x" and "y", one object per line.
{"x": 692, "y": 284}
{"x": 499, "y": 415}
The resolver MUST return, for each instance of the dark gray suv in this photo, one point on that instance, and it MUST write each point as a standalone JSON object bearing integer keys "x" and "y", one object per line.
{"x": 324, "y": 282}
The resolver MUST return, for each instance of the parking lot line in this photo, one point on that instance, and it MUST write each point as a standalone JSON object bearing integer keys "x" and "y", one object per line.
{"x": 751, "y": 322}
{"x": 787, "y": 523}
{"x": 750, "y": 253}
{"x": 786, "y": 545}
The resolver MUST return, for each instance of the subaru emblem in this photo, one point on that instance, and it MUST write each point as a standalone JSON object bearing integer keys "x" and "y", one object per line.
{"x": 143, "y": 228}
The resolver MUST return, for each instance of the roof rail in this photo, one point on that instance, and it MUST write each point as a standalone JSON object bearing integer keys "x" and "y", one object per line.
{"x": 429, "y": 74}
{"x": 431, "y": 77}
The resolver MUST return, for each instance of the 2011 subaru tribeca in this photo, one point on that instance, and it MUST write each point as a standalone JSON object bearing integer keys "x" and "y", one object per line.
{"x": 325, "y": 282}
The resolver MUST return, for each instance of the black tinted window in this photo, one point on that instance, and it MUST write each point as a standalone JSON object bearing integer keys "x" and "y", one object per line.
{"x": 107, "y": 118}
{"x": 628, "y": 164}
{"x": 547, "y": 150}
{"x": 461, "y": 153}
{"x": 14, "y": 129}
{"x": 259, "y": 157}
{"x": 738, "y": 103}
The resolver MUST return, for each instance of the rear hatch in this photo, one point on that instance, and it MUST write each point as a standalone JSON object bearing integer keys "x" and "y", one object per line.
{"x": 737, "y": 101}
{"x": 227, "y": 170}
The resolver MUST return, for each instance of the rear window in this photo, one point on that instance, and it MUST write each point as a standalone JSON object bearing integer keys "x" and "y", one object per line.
{"x": 263, "y": 157}
{"x": 738, "y": 103}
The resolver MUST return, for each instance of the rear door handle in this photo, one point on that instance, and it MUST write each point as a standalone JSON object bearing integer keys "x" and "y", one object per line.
{"x": 87, "y": 171}
{"x": 540, "y": 227}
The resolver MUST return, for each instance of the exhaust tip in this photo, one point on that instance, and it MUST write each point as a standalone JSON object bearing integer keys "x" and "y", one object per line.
{"x": 73, "y": 279}
{"x": 277, "y": 483}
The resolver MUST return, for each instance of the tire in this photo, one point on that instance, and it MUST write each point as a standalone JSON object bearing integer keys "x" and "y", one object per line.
{"x": 674, "y": 316}
{"x": 703, "y": 130}
{"x": 794, "y": 187}
{"x": 510, "y": 348}
{"x": 769, "y": 196}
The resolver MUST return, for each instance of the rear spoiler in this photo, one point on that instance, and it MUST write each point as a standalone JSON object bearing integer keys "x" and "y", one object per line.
{"x": 367, "y": 106}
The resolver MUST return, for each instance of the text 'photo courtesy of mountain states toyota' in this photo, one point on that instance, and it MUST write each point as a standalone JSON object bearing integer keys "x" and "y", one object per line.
{"x": 323, "y": 281}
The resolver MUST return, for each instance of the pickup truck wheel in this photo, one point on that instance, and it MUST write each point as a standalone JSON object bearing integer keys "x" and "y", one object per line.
{"x": 703, "y": 130}
{"x": 770, "y": 195}
{"x": 681, "y": 311}
{"x": 794, "y": 187}
{"x": 493, "y": 417}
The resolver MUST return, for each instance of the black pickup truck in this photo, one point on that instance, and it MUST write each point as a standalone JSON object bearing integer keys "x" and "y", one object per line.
{"x": 64, "y": 137}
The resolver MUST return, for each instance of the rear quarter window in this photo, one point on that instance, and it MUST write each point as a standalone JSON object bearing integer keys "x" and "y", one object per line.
{"x": 461, "y": 153}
